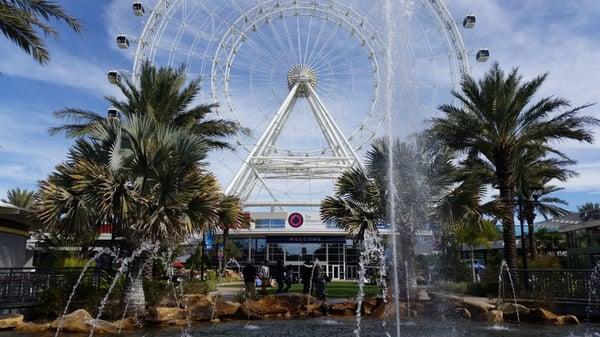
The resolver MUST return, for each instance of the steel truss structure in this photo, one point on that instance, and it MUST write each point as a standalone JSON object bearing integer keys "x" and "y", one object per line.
{"x": 331, "y": 54}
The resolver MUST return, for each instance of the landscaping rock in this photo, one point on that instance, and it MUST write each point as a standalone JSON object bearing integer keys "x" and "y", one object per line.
{"x": 478, "y": 309}
{"x": 422, "y": 295}
{"x": 103, "y": 327}
{"x": 29, "y": 327}
{"x": 275, "y": 305}
{"x": 200, "y": 307}
{"x": 370, "y": 305}
{"x": 77, "y": 322}
{"x": 315, "y": 308}
{"x": 464, "y": 313}
{"x": 510, "y": 311}
{"x": 566, "y": 320}
{"x": 539, "y": 315}
{"x": 127, "y": 324}
{"x": 226, "y": 308}
{"x": 10, "y": 321}
{"x": 165, "y": 314}
{"x": 494, "y": 316}
{"x": 344, "y": 307}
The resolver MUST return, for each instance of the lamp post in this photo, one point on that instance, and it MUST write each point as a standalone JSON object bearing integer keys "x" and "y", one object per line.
{"x": 521, "y": 203}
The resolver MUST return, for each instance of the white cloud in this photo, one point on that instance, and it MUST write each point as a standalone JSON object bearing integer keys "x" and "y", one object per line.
{"x": 64, "y": 69}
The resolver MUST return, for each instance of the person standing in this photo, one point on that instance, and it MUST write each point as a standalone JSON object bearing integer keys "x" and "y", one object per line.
{"x": 249, "y": 274}
{"x": 306, "y": 272}
{"x": 289, "y": 278}
{"x": 279, "y": 276}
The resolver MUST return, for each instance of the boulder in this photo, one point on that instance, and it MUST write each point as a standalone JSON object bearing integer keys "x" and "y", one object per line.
{"x": 316, "y": 307}
{"x": 165, "y": 314}
{"x": 275, "y": 305}
{"x": 494, "y": 316}
{"x": 78, "y": 322}
{"x": 422, "y": 295}
{"x": 226, "y": 308}
{"x": 345, "y": 308}
{"x": 200, "y": 307}
{"x": 371, "y": 304}
{"x": 478, "y": 308}
{"x": 127, "y": 324}
{"x": 539, "y": 315}
{"x": 10, "y": 321}
{"x": 103, "y": 327}
{"x": 464, "y": 313}
{"x": 565, "y": 320}
{"x": 30, "y": 327}
{"x": 510, "y": 311}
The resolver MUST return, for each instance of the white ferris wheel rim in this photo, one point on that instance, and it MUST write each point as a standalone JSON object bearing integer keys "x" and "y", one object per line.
{"x": 265, "y": 9}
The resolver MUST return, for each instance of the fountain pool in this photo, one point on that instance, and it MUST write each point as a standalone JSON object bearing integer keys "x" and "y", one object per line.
{"x": 337, "y": 327}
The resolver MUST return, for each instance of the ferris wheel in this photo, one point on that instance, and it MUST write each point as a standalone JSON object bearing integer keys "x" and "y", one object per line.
{"x": 304, "y": 76}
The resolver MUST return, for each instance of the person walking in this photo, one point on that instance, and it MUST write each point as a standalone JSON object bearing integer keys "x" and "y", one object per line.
{"x": 249, "y": 274}
{"x": 279, "y": 276}
{"x": 478, "y": 268}
{"x": 306, "y": 272}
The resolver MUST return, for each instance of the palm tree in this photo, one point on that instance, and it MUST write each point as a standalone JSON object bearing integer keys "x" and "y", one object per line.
{"x": 138, "y": 175}
{"x": 497, "y": 122}
{"x": 21, "y": 21}
{"x": 422, "y": 181}
{"x": 162, "y": 96}
{"x": 588, "y": 206}
{"x": 22, "y": 198}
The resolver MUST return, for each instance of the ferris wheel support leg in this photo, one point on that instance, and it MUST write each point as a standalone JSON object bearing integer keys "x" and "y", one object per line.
{"x": 342, "y": 141}
{"x": 246, "y": 173}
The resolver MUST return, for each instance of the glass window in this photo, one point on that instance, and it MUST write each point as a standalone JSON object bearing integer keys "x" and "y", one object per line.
{"x": 269, "y": 223}
{"x": 336, "y": 253}
{"x": 262, "y": 223}
{"x": 293, "y": 252}
{"x": 275, "y": 252}
{"x": 277, "y": 223}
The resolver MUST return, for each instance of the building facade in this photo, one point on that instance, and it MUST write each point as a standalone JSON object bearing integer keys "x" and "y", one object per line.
{"x": 582, "y": 232}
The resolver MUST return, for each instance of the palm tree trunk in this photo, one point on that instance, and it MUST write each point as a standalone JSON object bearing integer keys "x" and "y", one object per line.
{"x": 530, "y": 217}
{"x": 473, "y": 265}
{"x": 507, "y": 190}
{"x": 406, "y": 264}
{"x": 225, "y": 237}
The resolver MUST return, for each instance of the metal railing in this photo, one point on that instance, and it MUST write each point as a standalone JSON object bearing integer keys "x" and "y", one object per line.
{"x": 571, "y": 285}
{"x": 20, "y": 287}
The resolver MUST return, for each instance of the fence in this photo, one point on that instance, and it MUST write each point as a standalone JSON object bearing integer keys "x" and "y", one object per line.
{"x": 572, "y": 285}
{"x": 20, "y": 287}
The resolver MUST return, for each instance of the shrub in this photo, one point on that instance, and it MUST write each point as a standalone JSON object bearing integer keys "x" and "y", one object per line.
{"x": 195, "y": 286}
{"x": 156, "y": 290}
{"x": 483, "y": 289}
{"x": 451, "y": 287}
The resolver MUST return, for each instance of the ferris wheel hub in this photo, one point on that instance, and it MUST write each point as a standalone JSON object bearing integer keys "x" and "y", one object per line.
{"x": 304, "y": 75}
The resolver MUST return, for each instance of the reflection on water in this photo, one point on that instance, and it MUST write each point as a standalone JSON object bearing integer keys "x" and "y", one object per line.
{"x": 342, "y": 327}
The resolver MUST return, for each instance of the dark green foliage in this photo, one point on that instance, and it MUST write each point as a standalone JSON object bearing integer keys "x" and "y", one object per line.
{"x": 483, "y": 289}
{"x": 157, "y": 290}
{"x": 24, "y": 21}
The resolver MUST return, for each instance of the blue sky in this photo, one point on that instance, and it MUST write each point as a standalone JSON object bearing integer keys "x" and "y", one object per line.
{"x": 561, "y": 37}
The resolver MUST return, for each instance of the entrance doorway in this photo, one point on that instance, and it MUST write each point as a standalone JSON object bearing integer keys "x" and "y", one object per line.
{"x": 335, "y": 272}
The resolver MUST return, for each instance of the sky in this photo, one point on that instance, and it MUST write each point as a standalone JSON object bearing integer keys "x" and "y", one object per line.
{"x": 559, "y": 37}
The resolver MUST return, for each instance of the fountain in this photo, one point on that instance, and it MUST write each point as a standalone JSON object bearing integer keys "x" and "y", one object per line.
{"x": 504, "y": 268}
{"x": 78, "y": 282}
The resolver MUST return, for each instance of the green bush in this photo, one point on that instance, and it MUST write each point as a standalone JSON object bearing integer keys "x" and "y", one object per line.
{"x": 157, "y": 290}
{"x": 483, "y": 289}
{"x": 195, "y": 286}
{"x": 451, "y": 287}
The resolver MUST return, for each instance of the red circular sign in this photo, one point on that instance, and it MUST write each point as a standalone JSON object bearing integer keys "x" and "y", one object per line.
{"x": 295, "y": 220}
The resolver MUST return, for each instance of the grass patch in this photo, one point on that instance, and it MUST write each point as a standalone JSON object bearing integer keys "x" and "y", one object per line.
{"x": 334, "y": 289}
